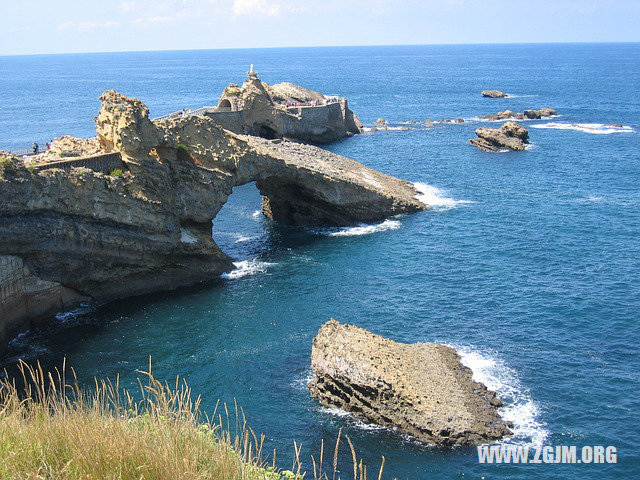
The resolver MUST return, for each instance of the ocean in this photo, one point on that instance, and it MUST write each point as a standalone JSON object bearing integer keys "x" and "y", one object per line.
{"x": 528, "y": 263}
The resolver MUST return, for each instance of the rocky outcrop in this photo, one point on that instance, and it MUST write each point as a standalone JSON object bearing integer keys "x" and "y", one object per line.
{"x": 148, "y": 226}
{"x": 510, "y": 135}
{"x": 25, "y": 298}
{"x": 494, "y": 94}
{"x": 287, "y": 92}
{"x": 284, "y": 110}
{"x": 527, "y": 114}
{"x": 419, "y": 389}
{"x": 537, "y": 114}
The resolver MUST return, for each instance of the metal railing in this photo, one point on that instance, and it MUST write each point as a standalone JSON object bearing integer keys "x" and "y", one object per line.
{"x": 185, "y": 112}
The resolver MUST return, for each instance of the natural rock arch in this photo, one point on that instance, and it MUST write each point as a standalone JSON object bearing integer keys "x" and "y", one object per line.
{"x": 112, "y": 236}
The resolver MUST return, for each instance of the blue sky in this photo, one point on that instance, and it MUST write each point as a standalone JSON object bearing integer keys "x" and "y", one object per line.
{"x": 59, "y": 26}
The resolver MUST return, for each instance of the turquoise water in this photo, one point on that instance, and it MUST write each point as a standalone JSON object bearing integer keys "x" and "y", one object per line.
{"x": 529, "y": 262}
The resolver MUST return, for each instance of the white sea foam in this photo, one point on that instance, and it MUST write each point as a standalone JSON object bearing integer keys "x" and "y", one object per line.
{"x": 247, "y": 267}
{"x": 518, "y": 407}
{"x": 76, "y": 312}
{"x": 244, "y": 238}
{"x": 256, "y": 214}
{"x": 593, "y": 128}
{"x": 363, "y": 229}
{"x": 592, "y": 199}
{"x": 436, "y": 197}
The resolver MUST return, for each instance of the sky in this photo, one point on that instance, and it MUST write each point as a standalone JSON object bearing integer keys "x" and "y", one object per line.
{"x": 73, "y": 26}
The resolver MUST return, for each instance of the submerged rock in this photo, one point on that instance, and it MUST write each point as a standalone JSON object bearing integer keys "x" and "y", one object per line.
{"x": 494, "y": 94}
{"x": 510, "y": 135}
{"x": 419, "y": 389}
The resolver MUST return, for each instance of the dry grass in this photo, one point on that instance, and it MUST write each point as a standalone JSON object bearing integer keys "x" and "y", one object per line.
{"x": 52, "y": 429}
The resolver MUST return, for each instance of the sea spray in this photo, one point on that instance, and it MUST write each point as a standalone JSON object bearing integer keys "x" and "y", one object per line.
{"x": 518, "y": 407}
{"x": 592, "y": 128}
{"x": 247, "y": 267}
{"x": 436, "y": 197}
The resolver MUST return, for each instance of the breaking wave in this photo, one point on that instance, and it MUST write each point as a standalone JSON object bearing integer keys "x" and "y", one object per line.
{"x": 75, "y": 313}
{"x": 247, "y": 267}
{"x": 593, "y": 128}
{"x": 518, "y": 407}
{"x": 362, "y": 229}
{"x": 436, "y": 197}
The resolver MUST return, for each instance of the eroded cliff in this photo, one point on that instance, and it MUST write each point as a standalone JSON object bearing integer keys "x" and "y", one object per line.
{"x": 148, "y": 227}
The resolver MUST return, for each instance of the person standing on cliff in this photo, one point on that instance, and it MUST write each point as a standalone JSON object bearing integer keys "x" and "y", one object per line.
{"x": 36, "y": 148}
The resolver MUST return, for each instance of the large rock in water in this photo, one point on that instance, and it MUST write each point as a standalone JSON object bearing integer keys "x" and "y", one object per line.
{"x": 420, "y": 389}
{"x": 494, "y": 94}
{"x": 510, "y": 135}
{"x": 284, "y": 110}
{"x": 147, "y": 225}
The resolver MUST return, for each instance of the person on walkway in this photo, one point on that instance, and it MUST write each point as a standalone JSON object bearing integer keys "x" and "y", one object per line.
{"x": 35, "y": 148}
{"x": 48, "y": 146}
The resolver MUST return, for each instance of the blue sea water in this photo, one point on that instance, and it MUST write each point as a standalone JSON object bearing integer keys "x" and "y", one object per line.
{"x": 529, "y": 262}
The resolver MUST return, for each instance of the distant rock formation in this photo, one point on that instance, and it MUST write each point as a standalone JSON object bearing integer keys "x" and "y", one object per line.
{"x": 537, "y": 114}
{"x": 510, "y": 135}
{"x": 527, "y": 114}
{"x": 147, "y": 226}
{"x": 494, "y": 94}
{"x": 284, "y": 110}
{"x": 419, "y": 389}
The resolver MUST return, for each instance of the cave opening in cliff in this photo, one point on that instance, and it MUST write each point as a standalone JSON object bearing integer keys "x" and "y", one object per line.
{"x": 239, "y": 228}
{"x": 265, "y": 131}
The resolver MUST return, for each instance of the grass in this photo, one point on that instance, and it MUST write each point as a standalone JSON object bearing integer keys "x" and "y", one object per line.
{"x": 50, "y": 429}
{"x": 116, "y": 172}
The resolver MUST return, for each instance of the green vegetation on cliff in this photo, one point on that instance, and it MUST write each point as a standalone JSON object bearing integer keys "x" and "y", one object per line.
{"x": 52, "y": 430}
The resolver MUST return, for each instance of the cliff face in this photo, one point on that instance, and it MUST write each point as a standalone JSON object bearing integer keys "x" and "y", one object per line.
{"x": 104, "y": 236}
{"x": 270, "y": 111}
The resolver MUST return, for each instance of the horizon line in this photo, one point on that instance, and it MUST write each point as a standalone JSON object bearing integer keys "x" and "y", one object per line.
{"x": 97, "y": 52}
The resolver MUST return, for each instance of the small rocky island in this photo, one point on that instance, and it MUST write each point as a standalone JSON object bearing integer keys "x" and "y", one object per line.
{"x": 419, "y": 389}
{"x": 130, "y": 212}
{"x": 494, "y": 94}
{"x": 511, "y": 136}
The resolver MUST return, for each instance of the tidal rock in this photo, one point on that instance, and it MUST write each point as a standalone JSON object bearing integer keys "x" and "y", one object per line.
{"x": 420, "y": 389}
{"x": 494, "y": 94}
{"x": 510, "y": 135}
{"x": 537, "y": 114}
{"x": 381, "y": 121}
{"x": 148, "y": 228}
{"x": 459, "y": 120}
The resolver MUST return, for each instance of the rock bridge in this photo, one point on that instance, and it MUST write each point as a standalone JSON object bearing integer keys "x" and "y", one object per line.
{"x": 99, "y": 237}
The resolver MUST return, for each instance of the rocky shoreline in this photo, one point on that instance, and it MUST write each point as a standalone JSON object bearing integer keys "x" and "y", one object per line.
{"x": 147, "y": 226}
{"x": 421, "y": 389}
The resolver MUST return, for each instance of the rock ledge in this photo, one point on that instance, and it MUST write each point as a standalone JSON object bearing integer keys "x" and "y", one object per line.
{"x": 419, "y": 389}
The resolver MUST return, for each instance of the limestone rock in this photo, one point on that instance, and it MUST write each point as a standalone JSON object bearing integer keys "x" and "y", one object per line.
{"x": 510, "y": 135}
{"x": 290, "y": 92}
{"x": 527, "y": 114}
{"x": 419, "y": 389}
{"x": 494, "y": 94}
{"x": 108, "y": 237}
{"x": 537, "y": 114}
{"x": 284, "y": 110}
